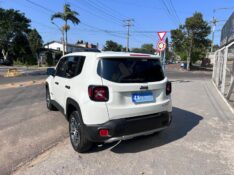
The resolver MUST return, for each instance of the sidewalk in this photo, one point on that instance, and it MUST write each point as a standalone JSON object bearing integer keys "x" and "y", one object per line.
{"x": 199, "y": 141}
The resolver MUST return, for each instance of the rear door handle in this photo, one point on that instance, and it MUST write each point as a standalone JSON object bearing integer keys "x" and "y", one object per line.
{"x": 68, "y": 87}
{"x": 57, "y": 83}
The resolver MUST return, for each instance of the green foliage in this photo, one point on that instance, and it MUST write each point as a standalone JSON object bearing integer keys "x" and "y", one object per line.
{"x": 191, "y": 38}
{"x": 49, "y": 58}
{"x": 67, "y": 15}
{"x": 145, "y": 48}
{"x": 58, "y": 55}
{"x": 13, "y": 23}
{"x": 168, "y": 53}
{"x": 215, "y": 47}
{"x": 112, "y": 46}
{"x": 16, "y": 38}
{"x": 35, "y": 41}
{"x": 21, "y": 50}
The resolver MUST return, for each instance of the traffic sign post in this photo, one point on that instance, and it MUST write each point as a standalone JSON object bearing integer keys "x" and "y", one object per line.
{"x": 161, "y": 46}
{"x": 161, "y": 35}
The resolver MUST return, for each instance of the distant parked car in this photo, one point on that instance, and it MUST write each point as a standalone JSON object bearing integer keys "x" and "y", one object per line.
{"x": 183, "y": 65}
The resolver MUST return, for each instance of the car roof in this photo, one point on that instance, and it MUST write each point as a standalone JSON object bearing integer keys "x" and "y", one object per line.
{"x": 113, "y": 54}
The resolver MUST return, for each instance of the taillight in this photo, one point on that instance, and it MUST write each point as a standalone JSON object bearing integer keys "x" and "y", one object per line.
{"x": 168, "y": 88}
{"x": 98, "y": 93}
{"x": 103, "y": 132}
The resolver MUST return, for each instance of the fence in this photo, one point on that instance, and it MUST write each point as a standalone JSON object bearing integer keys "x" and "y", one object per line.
{"x": 223, "y": 72}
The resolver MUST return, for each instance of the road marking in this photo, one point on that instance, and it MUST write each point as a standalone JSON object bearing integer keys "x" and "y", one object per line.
{"x": 21, "y": 84}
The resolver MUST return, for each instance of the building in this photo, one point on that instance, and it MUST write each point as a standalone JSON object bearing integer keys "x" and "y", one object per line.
{"x": 57, "y": 45}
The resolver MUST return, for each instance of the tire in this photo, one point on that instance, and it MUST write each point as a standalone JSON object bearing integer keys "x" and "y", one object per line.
{"x": 49, "y": 105}
{"x": 78, "y": 139}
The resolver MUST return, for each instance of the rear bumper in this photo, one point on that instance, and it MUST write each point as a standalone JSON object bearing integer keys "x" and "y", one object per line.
{"x": 122, "y": 129}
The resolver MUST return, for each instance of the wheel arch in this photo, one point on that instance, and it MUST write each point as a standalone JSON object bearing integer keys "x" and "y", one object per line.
{"x": 47, "y": 85}
{"x": 72, "y": 105}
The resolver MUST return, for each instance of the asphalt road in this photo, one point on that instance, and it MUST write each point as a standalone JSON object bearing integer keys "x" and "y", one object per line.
{"x": 193, "y": 75}
{"x": 6, "y": 80}
{"x": 27, "y": 129}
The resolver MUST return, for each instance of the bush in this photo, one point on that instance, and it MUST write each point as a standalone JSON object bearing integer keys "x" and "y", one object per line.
{"x": 49, "y": 59}
{"x": 58, "y": 55}
{"x": 30, "y": 59}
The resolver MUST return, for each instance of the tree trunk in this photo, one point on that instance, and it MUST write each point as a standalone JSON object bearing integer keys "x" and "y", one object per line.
{"x": 66, "y": 36}
{"x": 189, "y": 54}
{"x": 5, "y": 54}
{"x": 38, "y": 60}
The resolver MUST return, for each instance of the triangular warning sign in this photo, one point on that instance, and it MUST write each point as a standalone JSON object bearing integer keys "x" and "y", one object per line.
{"x": 161, "y": 35}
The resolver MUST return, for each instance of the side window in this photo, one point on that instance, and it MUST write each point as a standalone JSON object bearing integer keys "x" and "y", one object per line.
{"x": 61, "y": 68}
{"x": 74, "y": 66}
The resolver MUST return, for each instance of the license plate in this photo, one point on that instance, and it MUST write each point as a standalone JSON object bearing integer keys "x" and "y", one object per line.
{"x": 141, "y": 97}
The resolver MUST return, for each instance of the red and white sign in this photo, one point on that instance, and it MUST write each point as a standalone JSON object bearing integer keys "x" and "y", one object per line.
{"x": 161, "y": 35}
{"x": 161, "y": 46}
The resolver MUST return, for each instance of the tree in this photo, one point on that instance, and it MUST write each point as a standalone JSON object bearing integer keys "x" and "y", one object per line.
{"x": 215, "y": 47}
{"x": 190, "y": 40}
{"x": 112, "y": 46}
{"x": 13, "y": 24}
{"x": 21, "y": 49}
{"x": 145, "y": 48}
{"x": 35, "y": 43}
{"x": 67, "y": 15}
{"x": 49, "y": 58}
{"x": 168, "y": 52}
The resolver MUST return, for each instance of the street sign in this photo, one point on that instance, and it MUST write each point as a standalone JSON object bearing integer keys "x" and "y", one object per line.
{"x": 161, "y": 46}
{"x": 161, "y": 35}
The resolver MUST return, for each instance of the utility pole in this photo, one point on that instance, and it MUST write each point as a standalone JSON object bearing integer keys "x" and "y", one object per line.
{"x": 62, "y": 32}
{"x": 128, "y": 24}
{"x": 215, "y": 21}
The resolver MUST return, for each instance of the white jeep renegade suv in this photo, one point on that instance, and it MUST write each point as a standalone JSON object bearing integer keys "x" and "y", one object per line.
{"x": 109, "y": 96}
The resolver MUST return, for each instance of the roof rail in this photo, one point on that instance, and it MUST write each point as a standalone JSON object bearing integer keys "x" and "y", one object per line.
{"x": 85, "y": 50}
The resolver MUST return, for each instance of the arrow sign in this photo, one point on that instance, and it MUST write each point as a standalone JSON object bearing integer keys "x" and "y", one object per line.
{"x": 161, "y": 35}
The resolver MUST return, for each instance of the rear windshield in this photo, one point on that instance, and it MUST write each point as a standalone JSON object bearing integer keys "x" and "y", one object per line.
{"x": 129, "y": 70}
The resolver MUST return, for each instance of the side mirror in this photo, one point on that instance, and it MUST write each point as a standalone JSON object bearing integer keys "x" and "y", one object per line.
{"x": 50, "y": 71}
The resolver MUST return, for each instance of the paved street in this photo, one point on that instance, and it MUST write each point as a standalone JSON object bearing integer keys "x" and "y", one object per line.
{"x": 199, "y": 141}
{"x": 31, "y": 73}
{"x": 21, "y": 79}
{"x": 27, "y": 128}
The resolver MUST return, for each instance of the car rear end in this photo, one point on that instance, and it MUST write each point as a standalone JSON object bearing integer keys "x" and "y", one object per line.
{"x": 137, "y": 96}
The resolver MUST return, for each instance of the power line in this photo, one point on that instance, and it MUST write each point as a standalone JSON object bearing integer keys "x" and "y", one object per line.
{"x": 109, "y": 32}
{"x": 168, "y": 11}
{"x": 175, "y": 12}
{"x": 102, "y": 17}
{"x": 214, "y": 24}
{"x": 118, "y": 20}
{"x": 108, "y": 8}
{"x": 100, "y": 6}
{"x": 38, "y": 5}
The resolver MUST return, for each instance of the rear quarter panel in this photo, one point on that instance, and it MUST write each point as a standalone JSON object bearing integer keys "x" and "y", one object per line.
{"x": 92, "y": 112}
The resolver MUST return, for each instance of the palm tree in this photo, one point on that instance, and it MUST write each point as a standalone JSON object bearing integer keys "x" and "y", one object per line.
{"x": 67, "y": 15}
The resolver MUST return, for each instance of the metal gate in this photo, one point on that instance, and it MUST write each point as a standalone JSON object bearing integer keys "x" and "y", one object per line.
{"x": 223, "y": 71}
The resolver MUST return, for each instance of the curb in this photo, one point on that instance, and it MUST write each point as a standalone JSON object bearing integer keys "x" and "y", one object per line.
{"x": 224, "y": 99}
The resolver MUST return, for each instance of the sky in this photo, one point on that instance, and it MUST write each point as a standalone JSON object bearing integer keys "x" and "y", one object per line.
{"x": 102, "y": 20}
